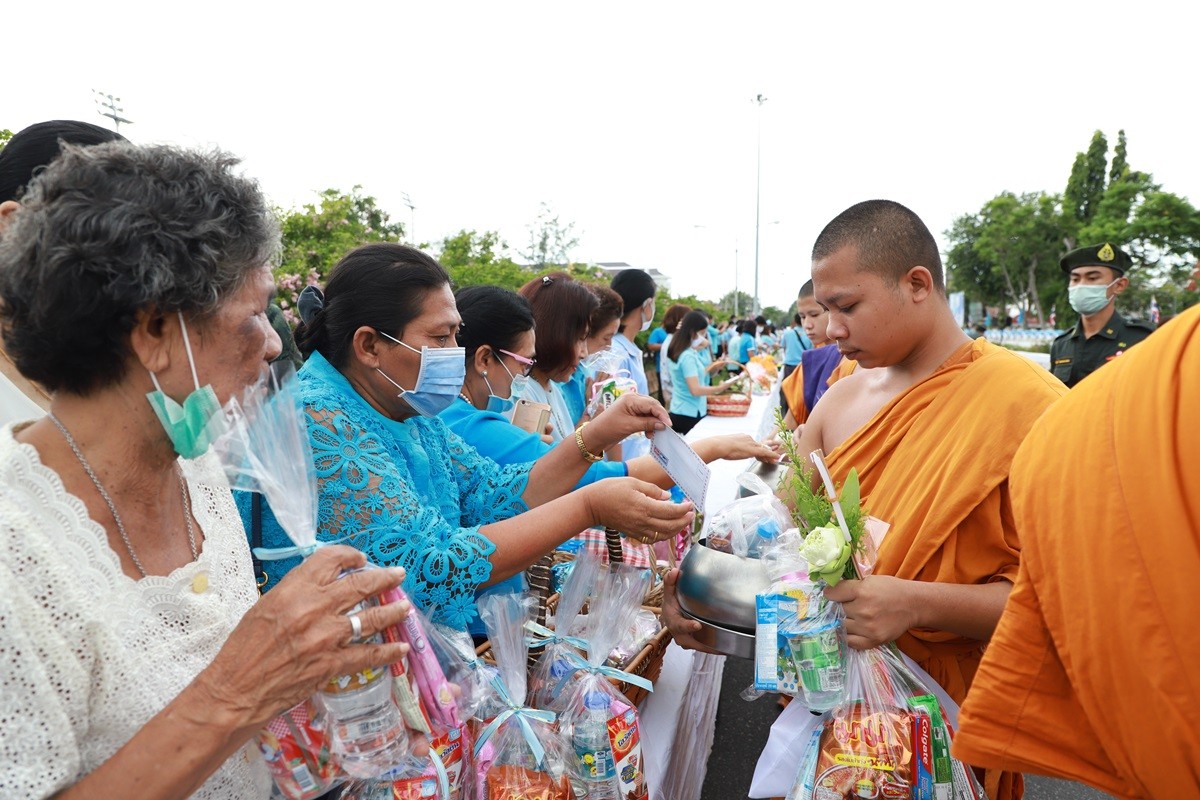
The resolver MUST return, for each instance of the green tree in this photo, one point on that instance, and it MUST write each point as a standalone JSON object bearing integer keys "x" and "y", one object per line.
{"x": 776, "y": 315}
{"x": 474, "y": 258}
{"x": 1086, "y": 183}
{"x": 744, "y": 303}
{"x": 5, "y": 135}
{"x": 966, "y": 270}
{"x": 550, "y": 241}
{"x": 317, "y": 235}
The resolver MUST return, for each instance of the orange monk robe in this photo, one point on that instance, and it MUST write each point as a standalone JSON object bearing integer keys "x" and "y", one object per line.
{"x": 793, "y": 387}
{"x": 1094, "y": 671}
{"x": 934, "y": 464}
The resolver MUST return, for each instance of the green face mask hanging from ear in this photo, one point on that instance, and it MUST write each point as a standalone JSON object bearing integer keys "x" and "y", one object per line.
{"x": 193, "y": 426}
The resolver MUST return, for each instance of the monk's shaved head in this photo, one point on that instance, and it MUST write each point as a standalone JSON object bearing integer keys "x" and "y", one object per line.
{"x": 807, "y": 289}
{"x": 890, "y": 240}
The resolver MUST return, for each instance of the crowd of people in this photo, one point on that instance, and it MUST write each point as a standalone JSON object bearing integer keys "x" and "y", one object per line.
{"x": 136, "y": 295}
{"x": 140, "y": 657}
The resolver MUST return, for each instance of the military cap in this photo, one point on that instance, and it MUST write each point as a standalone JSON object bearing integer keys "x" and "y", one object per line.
{"x": 1098, "y": 255}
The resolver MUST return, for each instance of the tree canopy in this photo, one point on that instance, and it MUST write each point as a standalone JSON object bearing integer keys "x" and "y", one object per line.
{"x": 1007, "y": 253}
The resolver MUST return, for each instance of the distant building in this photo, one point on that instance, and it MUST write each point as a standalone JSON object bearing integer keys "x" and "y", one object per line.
{"x": 611, "y": 268}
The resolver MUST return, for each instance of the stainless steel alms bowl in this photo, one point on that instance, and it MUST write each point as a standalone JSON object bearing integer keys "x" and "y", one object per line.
{"x": 720, "y": 588}
{"x": 724, "y": 640}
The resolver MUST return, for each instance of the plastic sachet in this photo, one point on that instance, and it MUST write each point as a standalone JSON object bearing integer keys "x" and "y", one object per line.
{"x": 434, "y": 704}
{"x": 887, "y": 739}
{"x": 530, "y": 757}
{"x": 783, "y": 611}
{"x": 743, "y": 526}
{"x": 553, "y": 670}
{"x": 354, "y": 721}
{"x": 600, "y": 722}
{"x": 265, "y": 449}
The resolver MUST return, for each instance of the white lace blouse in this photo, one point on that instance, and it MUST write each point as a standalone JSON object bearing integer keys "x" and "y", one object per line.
{"x": 87, "y": 654}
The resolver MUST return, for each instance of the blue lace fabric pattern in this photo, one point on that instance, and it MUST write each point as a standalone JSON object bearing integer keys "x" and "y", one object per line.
{"x": 410, "y": 494}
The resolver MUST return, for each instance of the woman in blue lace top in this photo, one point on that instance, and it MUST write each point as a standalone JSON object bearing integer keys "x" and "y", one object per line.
{"x": 395, "y": 482}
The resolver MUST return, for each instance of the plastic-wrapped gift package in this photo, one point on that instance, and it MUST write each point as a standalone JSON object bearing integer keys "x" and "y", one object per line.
{"x": 522, "y": 753}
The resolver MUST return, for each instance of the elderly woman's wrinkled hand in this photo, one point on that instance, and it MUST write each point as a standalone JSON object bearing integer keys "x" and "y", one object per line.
{"x": 631, "y": 413}
{"x": 639, "y": 509}
{"x": 299, "y": 635}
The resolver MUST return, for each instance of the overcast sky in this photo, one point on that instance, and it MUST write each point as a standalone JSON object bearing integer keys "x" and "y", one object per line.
{"x": 634, "y": 120}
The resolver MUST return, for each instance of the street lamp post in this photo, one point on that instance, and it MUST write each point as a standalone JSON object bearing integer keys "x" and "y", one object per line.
{"x": 757, "y": 194}
{"x": 412, "y": 215}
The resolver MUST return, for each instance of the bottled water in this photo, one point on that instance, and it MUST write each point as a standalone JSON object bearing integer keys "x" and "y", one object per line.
{"x": 366, "y": 731}
{"x": 593, "y": 750}
{"x": 764, "y": 537}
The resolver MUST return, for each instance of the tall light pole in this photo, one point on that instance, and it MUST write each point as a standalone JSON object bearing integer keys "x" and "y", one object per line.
{"x": 109, "y": 108}
{"x": 412, "y": 216}
{"x": 760, "y": 99}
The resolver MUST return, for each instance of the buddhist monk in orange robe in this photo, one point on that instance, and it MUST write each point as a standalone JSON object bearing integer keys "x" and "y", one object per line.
{"x": 1093, "y": 673}
{"x": 931, "y": 423}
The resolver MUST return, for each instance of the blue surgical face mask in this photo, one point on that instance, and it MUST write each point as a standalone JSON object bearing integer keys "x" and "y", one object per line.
{"x": 1089, "y": 299}
{"x": 439, "y": 380}
{"x": 505, "y": 405}
{"x": 193, "y": 426}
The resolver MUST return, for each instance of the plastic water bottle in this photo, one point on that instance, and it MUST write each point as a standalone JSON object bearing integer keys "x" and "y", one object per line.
{"x": 764, "y": 537}
{"x": 366, "y": 731}
{"x": 593, "y": 749}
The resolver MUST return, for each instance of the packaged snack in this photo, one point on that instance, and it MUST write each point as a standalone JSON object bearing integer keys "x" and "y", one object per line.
{"x": 521, "y": 737}
{"x": 295, "y": 748}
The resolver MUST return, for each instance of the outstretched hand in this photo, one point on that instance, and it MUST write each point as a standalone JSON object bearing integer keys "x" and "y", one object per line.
{"x": 631, "y": 413}
{"x": 639, "y": 509}
{"x": 682, "y": 628}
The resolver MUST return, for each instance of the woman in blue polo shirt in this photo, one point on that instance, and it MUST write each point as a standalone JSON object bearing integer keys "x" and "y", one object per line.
{"x": 689, "y": 400}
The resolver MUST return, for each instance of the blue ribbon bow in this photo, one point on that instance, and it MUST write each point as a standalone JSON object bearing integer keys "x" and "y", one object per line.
{"x": 610, "y": 672}
{"x": 280, "y": 553}
{"x": 550, "y": 637}
{"x": 522, "y": 714}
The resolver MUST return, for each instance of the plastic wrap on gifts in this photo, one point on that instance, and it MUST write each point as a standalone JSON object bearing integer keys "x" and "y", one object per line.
{"x": 889, "y": 738}
{"x": 742, "y": 525}
{"x": 791, "y": 607}
{"x": 528, "y": 758}
{"x": 552, "y": 670}
{"x": 600, "y": 722}
{"x": 296, "y": 751}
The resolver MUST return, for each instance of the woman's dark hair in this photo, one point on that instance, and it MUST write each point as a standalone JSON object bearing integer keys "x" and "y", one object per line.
{"x": 797, "y": 319}
{"x": 611, "y": 307}
{"x": 382, "y": 286}
{"x": 111, "y": 230}
{"x": 673, "y": 315}
{"x": 562, "y": 307}
{"x": 493, "y": 316}
{"x": 635, "y": 287}
{"x": 692, "y": 323}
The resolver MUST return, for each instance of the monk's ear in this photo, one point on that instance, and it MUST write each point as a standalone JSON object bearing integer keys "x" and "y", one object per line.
{"x": 918, "y": 281}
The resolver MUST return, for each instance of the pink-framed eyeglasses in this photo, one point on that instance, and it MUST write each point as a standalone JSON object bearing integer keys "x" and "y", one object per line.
{"x": 527, "y": 364}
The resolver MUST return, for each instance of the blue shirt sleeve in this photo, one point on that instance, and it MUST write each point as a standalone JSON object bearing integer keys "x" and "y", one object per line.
{"x": 657, "y": 336}
{"x": 498, "y": 439}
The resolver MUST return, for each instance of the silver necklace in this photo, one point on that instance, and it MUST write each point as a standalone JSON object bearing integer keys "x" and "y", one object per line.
{"x": 187, "y": 506}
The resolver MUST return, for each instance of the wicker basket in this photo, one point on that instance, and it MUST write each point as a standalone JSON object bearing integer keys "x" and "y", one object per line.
{"x": 732, "y": 405}
{"x": 648, "y": 661}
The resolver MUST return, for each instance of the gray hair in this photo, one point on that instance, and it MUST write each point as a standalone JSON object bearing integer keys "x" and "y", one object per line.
{"x": 107, "y": 231}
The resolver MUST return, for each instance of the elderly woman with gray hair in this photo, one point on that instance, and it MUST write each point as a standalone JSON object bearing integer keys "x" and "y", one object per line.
{"x": 134, "y": 660}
